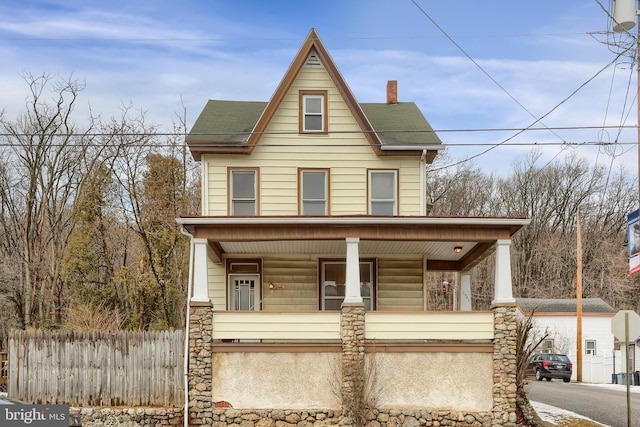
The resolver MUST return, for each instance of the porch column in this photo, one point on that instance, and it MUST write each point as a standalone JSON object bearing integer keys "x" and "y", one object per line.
{"x": 503, "y": 289}
{"x": 465, "y": 291}
{"x": 352, "y": 280}
{"x": 199, "y": 273}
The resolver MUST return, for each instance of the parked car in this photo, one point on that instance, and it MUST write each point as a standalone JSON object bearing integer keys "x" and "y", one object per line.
{"x": 551, "y": 365}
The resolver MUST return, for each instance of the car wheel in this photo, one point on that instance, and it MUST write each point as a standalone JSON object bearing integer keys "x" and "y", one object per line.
{"x": 566, "y": 380}
{"x": 538, "y": 375}
{"x": 548, "y": 378}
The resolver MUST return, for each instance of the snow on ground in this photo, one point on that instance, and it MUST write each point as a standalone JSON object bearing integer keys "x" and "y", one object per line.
{"x": 554, "y": 415}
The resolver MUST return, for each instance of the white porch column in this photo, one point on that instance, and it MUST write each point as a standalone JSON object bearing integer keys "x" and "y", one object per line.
{"x": 199, "y": 273}
{"x": 503, "y": 288}
{"x": 352, "y": 282}
{"x": 465, "y": 291}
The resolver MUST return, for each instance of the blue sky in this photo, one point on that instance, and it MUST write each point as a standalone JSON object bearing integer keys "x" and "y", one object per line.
{"x": 468, "y": 64}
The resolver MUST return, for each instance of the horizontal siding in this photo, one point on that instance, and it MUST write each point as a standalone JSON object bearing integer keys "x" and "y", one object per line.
{"x": 428, "y": 326}
{"x": 400, "y": 285}
{"x": 217, "y": 286}
{"x": 275, "y": 326}
{"x": 348, "y": 155}
{"x": 299, "y": 280}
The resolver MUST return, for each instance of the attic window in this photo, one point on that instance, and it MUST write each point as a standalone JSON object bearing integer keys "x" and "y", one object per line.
{"x": 313, "y": 112}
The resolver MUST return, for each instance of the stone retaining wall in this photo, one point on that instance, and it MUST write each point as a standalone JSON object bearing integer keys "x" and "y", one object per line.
{"x": 129, "y": 417}
{"x": 229, "y": 417}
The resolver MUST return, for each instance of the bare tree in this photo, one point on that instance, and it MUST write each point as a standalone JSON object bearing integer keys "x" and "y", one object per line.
{"x": 47, "y": 156}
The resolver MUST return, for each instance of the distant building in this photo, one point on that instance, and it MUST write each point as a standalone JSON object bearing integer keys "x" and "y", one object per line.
{"x": 559, "y": 318}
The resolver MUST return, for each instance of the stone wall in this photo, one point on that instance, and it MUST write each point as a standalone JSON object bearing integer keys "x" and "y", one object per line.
{"x": 200, "y": 365}
{"x": 375, "y": 418}
{"x": 130, "y": 417}
{"x": 203, "y": 411}
{"x": 504, "y": 366}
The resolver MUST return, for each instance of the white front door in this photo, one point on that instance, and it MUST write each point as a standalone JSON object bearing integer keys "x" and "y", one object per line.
{"x": 244, "y": 291}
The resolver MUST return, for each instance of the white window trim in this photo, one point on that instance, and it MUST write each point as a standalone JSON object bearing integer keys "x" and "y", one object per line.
{"x": 323, "y": 111}
{"x": 240, "y": 199}
{"x": 587, "y": 350}
{"x": 326, "y": 190}
{"x": 395, "y": 189}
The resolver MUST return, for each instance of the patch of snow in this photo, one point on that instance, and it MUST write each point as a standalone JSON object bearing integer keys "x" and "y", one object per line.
{"x": 556, "y": 416}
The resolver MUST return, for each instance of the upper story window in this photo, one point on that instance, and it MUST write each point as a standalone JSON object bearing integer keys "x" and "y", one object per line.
{"x": 383, "y": 192}
{"x": 314, "y": 191}
{"x": 243, "y": 192}
{"x": 313, "y": 111}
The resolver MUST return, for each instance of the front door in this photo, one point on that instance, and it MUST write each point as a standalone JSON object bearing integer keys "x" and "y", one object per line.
{"x": 245, "y": 292}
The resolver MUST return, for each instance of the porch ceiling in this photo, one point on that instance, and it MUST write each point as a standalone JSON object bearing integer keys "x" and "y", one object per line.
{"x": 432, "y": 237}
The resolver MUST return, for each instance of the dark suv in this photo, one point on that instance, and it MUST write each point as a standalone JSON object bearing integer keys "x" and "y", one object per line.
{"x": 548, "y": 365}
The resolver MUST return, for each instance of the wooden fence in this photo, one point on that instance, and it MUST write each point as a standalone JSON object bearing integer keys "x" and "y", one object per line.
{"x": 4, "y": 371}
{"x": 97, "y": 368}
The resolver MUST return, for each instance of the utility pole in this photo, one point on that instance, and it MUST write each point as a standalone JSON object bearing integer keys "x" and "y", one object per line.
{"x": 579, "y": 299}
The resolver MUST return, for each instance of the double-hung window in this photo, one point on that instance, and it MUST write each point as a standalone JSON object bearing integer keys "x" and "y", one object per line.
{"x": 313, "y": 112}
{"x": 314, "y": 191}
{"x": 243, "y": 192}
{"x": 383, "y": 192}
{"x": 333, "y": 286}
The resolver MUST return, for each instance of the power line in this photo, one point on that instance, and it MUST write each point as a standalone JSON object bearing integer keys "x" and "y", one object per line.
{"x": 272, "y": 39}
{"x": 575, "y": 144}
{"x": 276, "y": 133}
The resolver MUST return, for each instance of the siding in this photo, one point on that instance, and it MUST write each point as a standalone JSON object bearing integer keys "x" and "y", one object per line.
{"x": 400, "y": 284}
{"x": 281, "y": 151}
{"x": 296, "y": 283}
{"x": 299, "y": 278}
{"x": 217, "y": 286}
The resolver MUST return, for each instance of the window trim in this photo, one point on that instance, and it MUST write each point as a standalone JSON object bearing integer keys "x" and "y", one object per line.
{"x": 323, "y": 94}
{"x": 588, "y": 350}
{"x": 374, "y": 279}
{"x": 232, "y": 271}
{"x": 256, "y": 185}
{"x": 396, "y": 175}
{"x": 545, "y": 346}
{"x": 327, "y": 189}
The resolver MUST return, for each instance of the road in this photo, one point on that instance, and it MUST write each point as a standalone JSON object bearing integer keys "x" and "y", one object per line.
{"x": 606, "y": 405}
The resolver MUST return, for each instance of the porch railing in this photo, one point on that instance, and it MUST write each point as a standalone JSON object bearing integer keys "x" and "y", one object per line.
{"x": 325, "y": 326}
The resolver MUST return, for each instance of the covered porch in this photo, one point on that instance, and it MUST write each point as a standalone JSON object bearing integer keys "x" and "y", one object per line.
{"x": 311, "y": 357}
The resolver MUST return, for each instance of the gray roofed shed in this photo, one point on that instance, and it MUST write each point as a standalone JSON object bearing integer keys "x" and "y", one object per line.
{"x": 542, "y": 305}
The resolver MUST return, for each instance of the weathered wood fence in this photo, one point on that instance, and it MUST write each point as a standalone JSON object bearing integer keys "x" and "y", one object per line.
{"x": 97, "y": 368}
{"x": 4, "y": 370}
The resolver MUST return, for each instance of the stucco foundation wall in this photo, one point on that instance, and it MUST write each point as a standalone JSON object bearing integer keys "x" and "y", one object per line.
{"x": 460, "y": 381}
{"x": 273, "y": 380}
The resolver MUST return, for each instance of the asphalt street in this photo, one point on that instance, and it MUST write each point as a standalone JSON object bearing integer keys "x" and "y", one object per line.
{"x": 606, "y": 404}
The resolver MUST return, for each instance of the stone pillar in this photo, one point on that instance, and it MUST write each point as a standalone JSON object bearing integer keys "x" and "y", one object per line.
{"x": 352, "y": 335}
{"x": 352, "y": 279}
{"x": 504, "y": 365}
{"x": 200, "y": 364}
{"x": 465, "y": 291}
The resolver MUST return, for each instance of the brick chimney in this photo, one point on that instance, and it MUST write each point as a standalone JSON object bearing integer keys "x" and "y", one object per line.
{"x": 392, "y": 92}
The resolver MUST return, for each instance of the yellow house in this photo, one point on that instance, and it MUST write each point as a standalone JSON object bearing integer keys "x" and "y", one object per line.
{"x": 307, "y": 283}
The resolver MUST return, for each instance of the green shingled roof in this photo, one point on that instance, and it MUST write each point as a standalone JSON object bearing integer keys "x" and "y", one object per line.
{"x": 404, "y": 117}
{"x": 232, "y": 122}
{"x": 226, "y": 121}
{"x": 589, "y": 305}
